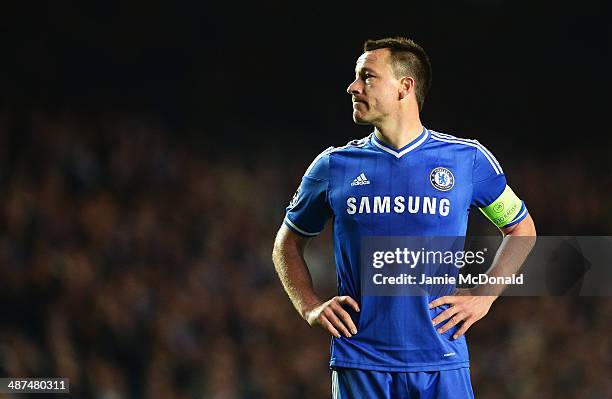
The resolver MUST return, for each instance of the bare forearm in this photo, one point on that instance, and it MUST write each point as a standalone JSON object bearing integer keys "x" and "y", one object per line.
{"x": 293, "y": 272}
{"x": 516, "y": 246}
{"x": 288, "y": 258}
{"x": 508, "y": 260}
{"x": 469, "y": 306}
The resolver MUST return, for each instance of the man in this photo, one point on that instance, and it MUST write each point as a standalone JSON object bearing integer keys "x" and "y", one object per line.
{"x": 394, "y": 346}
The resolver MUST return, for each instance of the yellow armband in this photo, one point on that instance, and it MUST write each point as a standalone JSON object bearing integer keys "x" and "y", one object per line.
{"x": 504, "y": 209}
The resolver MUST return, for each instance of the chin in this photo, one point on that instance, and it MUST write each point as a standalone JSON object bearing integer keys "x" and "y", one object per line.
{"x": 360, "y": 120}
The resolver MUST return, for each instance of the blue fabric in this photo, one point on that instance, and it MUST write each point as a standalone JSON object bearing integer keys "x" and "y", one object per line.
{"x": 369, "y": 189}
{"x": 448, "y": 384}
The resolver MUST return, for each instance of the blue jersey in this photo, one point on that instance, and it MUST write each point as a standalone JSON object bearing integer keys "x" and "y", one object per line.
{"x": 371, "y": 189}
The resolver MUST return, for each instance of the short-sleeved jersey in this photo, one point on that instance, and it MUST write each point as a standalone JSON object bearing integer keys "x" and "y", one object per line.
{"x": 371, "y": 189}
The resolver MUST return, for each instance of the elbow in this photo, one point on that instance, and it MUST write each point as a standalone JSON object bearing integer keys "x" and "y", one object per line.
{"x": 532, "y": 232}
{"x": 526, "y": 229}
{"x": 530, "y": 227}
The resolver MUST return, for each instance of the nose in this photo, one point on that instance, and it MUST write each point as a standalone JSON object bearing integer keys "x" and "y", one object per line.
{"x": 354, "y": 87}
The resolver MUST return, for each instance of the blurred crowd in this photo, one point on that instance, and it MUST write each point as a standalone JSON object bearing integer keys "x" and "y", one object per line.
{"x": 137, "y": 263}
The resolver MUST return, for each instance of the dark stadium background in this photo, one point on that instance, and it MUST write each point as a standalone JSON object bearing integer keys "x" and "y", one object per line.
{"x": 148, "y": 149}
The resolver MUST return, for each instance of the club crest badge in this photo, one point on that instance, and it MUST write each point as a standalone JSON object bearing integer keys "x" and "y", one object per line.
{"x": 295, "y": 198}
{"x": 442, "y": 179}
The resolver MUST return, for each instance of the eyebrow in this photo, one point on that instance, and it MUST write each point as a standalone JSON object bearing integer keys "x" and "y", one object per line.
{"x": 365, "y": 69}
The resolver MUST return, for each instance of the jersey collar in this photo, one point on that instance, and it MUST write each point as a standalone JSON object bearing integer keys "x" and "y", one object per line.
{"x": 398, "y": 153}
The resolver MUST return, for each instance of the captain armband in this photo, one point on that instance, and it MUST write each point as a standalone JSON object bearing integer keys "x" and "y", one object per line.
{"x": 504, "y": 209}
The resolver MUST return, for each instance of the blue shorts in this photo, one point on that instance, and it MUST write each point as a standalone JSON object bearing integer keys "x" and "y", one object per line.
{"x": 366, "y": 384}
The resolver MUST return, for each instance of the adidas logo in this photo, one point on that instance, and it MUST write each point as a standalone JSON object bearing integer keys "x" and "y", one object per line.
{"x": 360, "y": 180}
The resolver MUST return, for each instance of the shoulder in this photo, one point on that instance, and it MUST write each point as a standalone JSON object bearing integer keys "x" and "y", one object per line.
{"x": 454, "y": 140}
{"x": 480, "y": 152}
{"x": 319, "y": 167}
{"x": 353, "y": 145}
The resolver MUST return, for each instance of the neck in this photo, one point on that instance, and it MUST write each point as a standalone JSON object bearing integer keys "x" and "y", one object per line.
{"x": 399, "y": 133}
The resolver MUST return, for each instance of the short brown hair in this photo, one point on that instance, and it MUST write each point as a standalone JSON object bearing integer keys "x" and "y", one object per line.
{"x": 407, "y": 59}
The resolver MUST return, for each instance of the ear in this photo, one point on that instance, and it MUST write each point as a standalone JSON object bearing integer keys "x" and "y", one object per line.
{"x": 406, "y": 86}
